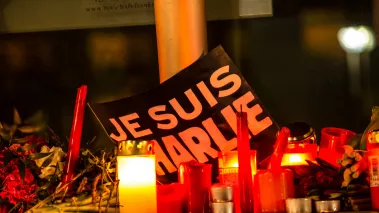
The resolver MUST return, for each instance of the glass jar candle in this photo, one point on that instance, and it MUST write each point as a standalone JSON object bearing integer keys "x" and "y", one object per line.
{"x": 136, "y": 173}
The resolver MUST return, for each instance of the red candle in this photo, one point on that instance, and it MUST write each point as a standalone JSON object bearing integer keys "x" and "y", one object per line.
{"x": 274, "y": 186}
{"x": 170, "y": 198}
{"x": 72, "y": 157}
{"x": 245, "y": 180}
{"x": 197, "y": 180}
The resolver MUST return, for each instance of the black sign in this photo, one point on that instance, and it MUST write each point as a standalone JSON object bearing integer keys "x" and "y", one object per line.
{"x": 191, "y": 116}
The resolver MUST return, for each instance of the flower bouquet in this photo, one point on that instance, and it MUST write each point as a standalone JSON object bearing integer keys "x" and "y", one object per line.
{"x": 31, "y": 169}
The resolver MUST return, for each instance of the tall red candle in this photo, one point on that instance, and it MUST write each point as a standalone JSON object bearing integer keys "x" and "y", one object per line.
{"x": 245, "y": 180}
{"x": 72, "y": 157}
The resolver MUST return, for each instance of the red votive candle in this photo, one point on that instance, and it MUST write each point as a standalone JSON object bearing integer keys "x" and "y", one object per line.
{"x": 170, "y": 198}
{"x": 197, "y": 180}
{"x": 245, "y": 180}
{"x": 73, "y": 152}
{"x": 332, "y": 142}
{"x": 271, "y": 189}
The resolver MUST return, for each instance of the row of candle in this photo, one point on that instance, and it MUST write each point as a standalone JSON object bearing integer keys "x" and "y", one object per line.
{"x": 236, "y": 168}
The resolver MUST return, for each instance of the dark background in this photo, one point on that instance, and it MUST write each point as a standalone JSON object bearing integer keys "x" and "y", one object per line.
{"x": 292, "y": 60}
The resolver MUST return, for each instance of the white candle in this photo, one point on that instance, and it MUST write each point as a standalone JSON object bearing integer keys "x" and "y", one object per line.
{"x": 137, "y": 187}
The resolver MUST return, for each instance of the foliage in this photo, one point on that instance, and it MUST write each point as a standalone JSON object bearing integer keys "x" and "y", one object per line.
{"x": 31, "y": 168}
{"x": 324, "y": 181}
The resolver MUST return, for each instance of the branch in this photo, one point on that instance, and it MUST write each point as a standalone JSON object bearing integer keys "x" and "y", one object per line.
{"x": 94, "y": 188}
{"x": 48, "y": 199}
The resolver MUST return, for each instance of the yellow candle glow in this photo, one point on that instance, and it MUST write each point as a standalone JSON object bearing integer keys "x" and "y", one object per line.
{"x": 229, "y": 160}
{"x": 293, "y": 159}
{"x": 137, "y": 186}
{"x": 296, "y": 154}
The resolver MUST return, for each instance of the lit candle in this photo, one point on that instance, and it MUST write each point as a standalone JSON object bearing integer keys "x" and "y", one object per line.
{"x": 296, "y": 154}
{"x": 73, "y": 152}
{"x": 245, "y": 180}
{"x": 228, "y": 166}
{"x": 228, "y": 172}
{"x": 136, "y": 173}
{"x": 272, "y": 187}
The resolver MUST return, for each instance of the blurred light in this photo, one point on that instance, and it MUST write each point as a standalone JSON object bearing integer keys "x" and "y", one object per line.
{"x": 356, "y": 39}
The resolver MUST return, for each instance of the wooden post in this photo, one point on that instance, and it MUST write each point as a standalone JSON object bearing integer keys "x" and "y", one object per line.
{"x": 181, "y": 34}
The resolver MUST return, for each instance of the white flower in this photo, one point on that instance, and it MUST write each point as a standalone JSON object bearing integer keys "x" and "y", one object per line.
{"x": 58, "y": 155}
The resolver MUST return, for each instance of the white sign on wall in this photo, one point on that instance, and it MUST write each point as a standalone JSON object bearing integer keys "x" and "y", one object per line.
{"x": 46, "y": 15}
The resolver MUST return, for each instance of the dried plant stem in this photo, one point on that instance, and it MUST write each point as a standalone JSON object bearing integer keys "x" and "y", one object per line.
{"x": 114, "y": 187}
{"x": 94, "y": 188}
{"x": 102, "y": 180}
{"x": 84, "y": 205}
{"x": 48, "y": 199}
{"x": 82, "y": 185}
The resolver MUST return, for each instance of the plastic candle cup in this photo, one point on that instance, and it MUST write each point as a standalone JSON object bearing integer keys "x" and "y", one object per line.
{"x": 271, "y": 189}
{"x": 332, "y": 142}
{"x": 136, "y": 173}
{"x": 197, "y": 180}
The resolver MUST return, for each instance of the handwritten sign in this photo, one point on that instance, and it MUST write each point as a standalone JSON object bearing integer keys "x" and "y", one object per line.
{"x": 191, "y": 116}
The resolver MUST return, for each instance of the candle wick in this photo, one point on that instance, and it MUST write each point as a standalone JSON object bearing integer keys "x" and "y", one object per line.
{"x": 241, "y": 108}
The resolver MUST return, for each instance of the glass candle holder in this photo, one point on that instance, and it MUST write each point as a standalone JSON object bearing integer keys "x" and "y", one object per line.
{"x": 228, "y": 172}
{"x": 197, "y": 180}
{"x": 228, "y": 166}
{"x": 296, "y": 154}
{"x": 301, "y": 133}
{"x": 136, "y": 173}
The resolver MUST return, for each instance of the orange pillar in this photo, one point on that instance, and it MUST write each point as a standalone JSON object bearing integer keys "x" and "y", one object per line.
{"x": 181, "y": 34}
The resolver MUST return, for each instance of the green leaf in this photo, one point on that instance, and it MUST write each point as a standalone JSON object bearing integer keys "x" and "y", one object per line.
{"x": 313, "y": 166}
{"x": 13, "y": 130}
{"x": 47, "y": 161}
{"x": 52, "y": 178}
{"x": 325, "y": 164}
{"x": 20, "y": 140}
{"x": 27, "y": 147}
{"x": 45, "y": 186}
{"x": 21, "y": 169}
{"x": 31, "y": 165}
{"x": 28, "y": 129}
{"x": 35, "y": 119}
{"x": 334, "y": 195}
{"x": 16, "y": 117}
{"x": 4, "y": 134}
{"x": 8, "y": 156}
{"x": 314, "y": 192}
{"x": 91, "y": 161}
{"x": 6, "y": 127}
{"x": 36, "y": 156}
